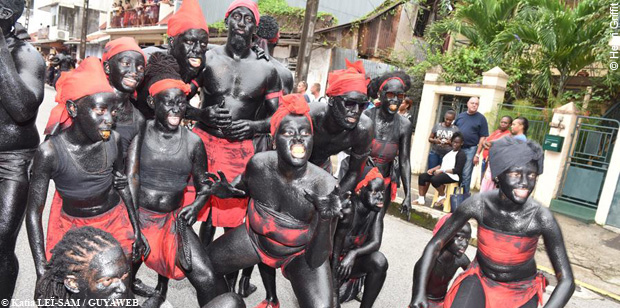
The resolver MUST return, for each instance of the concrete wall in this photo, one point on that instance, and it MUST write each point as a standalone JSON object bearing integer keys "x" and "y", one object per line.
{"x": 491, "y": 93}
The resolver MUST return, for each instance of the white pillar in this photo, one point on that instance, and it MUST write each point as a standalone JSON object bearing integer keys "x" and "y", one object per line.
{"x": 549, "y": 182}
{"x": 426, "y": 119}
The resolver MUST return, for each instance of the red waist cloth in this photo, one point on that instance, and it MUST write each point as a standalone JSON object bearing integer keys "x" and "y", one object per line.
{"x": 115, "y": 221}
{"x": 279, "y": 229}
{"x": 500, "y": 294}
{"x": 160, "y": 231}
{"x": 505, "y": 249}
{"x": 231, "y": 157}
{"x": 392, "y": 186}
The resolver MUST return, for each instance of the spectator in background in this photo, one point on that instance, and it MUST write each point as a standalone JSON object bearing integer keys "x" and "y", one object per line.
{"x": 504, "y": 123}
{"x": 315, "y": 90}
{"x": 440, "y": 139}
{"x": 302, "y": 87}
{"x": 519, "y": 128}
{"x": 405, "y": 108}
{"x": 474, "y": 127}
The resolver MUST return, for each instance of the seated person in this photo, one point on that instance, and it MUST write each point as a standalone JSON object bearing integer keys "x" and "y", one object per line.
{"x": 88, "y": 265}
{"x": 449, "y": 171}
{"x": 82, "y": 160}
{"x": 510, "y": 223}
{"x": 292, "y": 211}
{"x": 451, "y": 258}
{"x": 358, "y": 238}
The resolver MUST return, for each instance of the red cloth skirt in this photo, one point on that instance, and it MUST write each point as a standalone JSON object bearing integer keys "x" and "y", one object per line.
{"x": 393, "y": 187}
{"x": 230, "y": 157}
{"x": 115, "y": 221}
{"x": 160, "y": 231}
{"x": 500, "y": 294}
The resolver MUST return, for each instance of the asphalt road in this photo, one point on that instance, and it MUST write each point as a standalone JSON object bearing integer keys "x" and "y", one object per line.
{"x": 402, "y": 244}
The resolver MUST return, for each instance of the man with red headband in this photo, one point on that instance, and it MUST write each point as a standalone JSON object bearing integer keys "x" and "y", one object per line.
{"x": 82, "y": 161}
{"x": 357, "y": 241}
{"x": 188, "y": 36}
{"x": 237, "y": 86}
{"x": 340, "y": 124}
{"x": 293, "y": 207}
{"x": 450, "y": 259}
{"x": 22, "y": 75}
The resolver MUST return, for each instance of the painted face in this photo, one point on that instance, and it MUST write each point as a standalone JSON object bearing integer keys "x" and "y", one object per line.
{"x": 170, "y": 105}
{"x": 241, "y": 27}
{"x": 294, "y": 140}
{"x": 107, "y": 278}
{"x": 517, "y": 183}
{"x": 392, "y": 95}
{"x": 448, "y": 118}
{"x": 348, "y": 108}
{"x": 517, "y": 127}
{"x": 10, "y": 11}
{"x": 504, "y": 124}
{"x": 94, "y": 115}
{"x": 460, "y": 242}
{"x": 472, "y": 105}
{"x": 372, "y": 195}
{"x": 126, "y": 71}
{"x": 457, "y": 143}
{"x": 189, "y": 49}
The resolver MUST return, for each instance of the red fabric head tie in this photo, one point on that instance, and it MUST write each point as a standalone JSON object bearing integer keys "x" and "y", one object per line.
{"x": 119, "y": 45}
{"x": 274, "y": 39}
{"x": 372, "y": 174}
{"x": 244, "y": 3}
{"x": 290, "y": 104}
{"x": 189, "y": 16}
{"x": 165, "y": 84}
{"x": 391, "y": 78}
{"x": 353, "y": 78}
{"x": 87, "y": 79}
{"x": 440, "y": 223}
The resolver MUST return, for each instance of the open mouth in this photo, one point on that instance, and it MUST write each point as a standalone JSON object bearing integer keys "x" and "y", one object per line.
{"x": 240, "y": 31}
{"x": 521, "y": 192}
{"x": 195, "y": 62}
{"x": 298, "y": 151}
{"x": 393, "y": 107}
{"x": 380, "y": 204}
{"x": 105, "y": 134}
{"x": 130, "y": 82}
{"x": 351, "y": 119}
{"x": 174, "y": 121}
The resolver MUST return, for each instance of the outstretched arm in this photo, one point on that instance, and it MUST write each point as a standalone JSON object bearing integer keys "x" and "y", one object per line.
{"x": 22, "y": 74}
{"x": 42, "y": 167}
{"x": 404, "y": 152}
{"x": 554, "y": 245}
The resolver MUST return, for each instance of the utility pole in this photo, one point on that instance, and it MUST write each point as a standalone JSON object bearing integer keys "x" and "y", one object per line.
{"x": 307, "y": 40}
{"x": 84, "y": 30}
{"x": 27, "y": 13}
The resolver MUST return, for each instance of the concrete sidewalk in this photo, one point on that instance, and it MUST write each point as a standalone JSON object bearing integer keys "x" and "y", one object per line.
{"x": 594, "y": 251}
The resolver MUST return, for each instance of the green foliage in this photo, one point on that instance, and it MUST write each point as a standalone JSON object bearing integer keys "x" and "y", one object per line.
{"x": 220, "y": 26}
{"x": 281, "y": 8}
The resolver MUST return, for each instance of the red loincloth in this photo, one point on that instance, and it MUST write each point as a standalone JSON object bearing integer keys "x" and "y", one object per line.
{"x": 231, "y": 157}
{"x": 392, "y": 186}
{"x": 500, "y": 294}
{"x": 115, "y": 221}
{"x": 280, "y": 229}
{"x": 160, "y": 231}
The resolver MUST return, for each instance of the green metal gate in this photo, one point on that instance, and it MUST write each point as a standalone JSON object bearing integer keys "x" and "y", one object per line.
{"x": 586, "y": 167}
{"x": 451, "y": 102}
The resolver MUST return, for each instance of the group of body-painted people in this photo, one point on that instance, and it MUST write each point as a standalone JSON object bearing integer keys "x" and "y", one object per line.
{"x": 130, "y": 180}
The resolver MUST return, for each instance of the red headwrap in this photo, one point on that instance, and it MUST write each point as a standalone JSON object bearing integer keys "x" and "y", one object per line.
{"x": 244, "y": 3}
{"x": 351, "y": 79}
{"x": 440, "y": 223}
{"x": 391, "y": 78}
{"x": 290, "y": 104}
{"x": 119, "y": 45}
{"x": 189, "y": 16}
{"x": 274, "y": 39}
{"x": 87, "y": 79}
{"x": 372, "y": 174}
{"x": 165, "y": 84}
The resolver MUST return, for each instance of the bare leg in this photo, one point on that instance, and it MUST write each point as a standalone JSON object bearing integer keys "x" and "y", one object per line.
{"x": 202, "y": 275}
{"x": 268, "y": 275}
{"x": 312, "y": 287}
{"x": 375, "y": 267}
{"x": 245, "y": 287}
{"x": 423, "y": 189}
{"x": 207, "y": 231}
{"x": 12, "y": 208}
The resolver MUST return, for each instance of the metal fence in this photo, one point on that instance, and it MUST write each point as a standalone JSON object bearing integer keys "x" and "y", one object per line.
{"x": 538, "y": 119}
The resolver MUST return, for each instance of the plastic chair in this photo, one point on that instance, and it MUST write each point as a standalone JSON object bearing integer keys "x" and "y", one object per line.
{"x": 449, "y": 191}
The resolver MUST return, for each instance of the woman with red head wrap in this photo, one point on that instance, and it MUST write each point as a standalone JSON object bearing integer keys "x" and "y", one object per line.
{"x": 82, "y": 161}
{"x": 357, "y": 241}
{"x": 510, "y": 223}
{"x": 340, "y": 124}
{"x": 293, "y": 206}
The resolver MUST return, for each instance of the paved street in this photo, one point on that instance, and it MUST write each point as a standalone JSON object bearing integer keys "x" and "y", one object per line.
{"x": 403, "y": 243}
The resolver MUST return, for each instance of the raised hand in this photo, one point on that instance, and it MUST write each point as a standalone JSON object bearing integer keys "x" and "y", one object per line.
{"x": 220, "y": 187}
{"x": 329, "y": 206}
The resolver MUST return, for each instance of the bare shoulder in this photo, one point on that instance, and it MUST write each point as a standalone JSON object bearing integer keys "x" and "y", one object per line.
{"x": 544, "y": 217}
{"x": 45, "y": 156}
{"x": 473, "y": 206}
{"x": 404, "y": 122}
{"x": 324, "y": 182}
{"x": 30, "y": 56}
{"x": 365, "y": 126}
{"x": 317, "y": 110}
